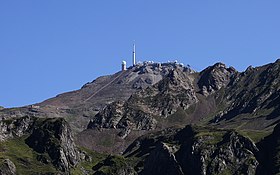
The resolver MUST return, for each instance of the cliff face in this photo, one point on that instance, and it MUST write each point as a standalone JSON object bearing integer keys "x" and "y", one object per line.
{"x": 270, "y": 153}
{"x": 215, "y": 77}
{"x": 51, "y": 140}
{"x": 54, "y": 137}
{"x": 17, "y": 127}
{"x": 194, "y": 150}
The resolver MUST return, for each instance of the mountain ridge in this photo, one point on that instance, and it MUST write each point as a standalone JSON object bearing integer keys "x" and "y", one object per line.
{"x": 163, "y": 111}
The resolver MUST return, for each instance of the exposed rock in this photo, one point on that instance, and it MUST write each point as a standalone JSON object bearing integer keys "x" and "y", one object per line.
{"x": 54, "y": 137}
{"x": 215, "y": 77}
{"x": 175, "y": 91}
{"x": 269, "y": 155}
{"x": 7, "y": 167}
{"x": 15, "y": 127}
{"x": 255, "y": 92}
{"x": 162, "y": 161}
{"x": 195, "y": 150}
{"x": 149, "y": 97}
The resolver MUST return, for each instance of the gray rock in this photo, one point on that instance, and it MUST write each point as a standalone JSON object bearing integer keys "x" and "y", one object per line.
{"x": 215, "y": 77}
{"x": 7, "y": 167}
{"x": 195, "y": 150}
{"x": 54, "y": 137}
{"x": 162, "y": 161}
{"x": 174, "y": 91}
{"x": 15, "y": 127}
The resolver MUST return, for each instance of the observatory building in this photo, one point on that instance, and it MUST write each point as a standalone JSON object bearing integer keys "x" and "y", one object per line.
{"x": 123, "y": 65}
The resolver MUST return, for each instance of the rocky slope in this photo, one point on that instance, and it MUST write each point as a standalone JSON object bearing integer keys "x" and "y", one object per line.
{"x": 218, "y": 96}
{"x": 50, "y": 142}
{"x": 195, "y": 150}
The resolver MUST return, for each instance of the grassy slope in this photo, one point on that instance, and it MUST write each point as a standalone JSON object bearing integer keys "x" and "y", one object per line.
{"x": 23, "y": 157}
{"x": 26, "y": 161}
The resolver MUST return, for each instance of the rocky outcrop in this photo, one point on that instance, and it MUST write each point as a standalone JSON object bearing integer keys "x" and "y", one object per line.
{"x": 15, "y": 127}
{"x": 162, "y": 156}
{"x": 233, "y": 154}
{"x": 269, "y": 155}
{"x": 7, "y": 167}
{"x": 195, "y": 150}
{"x": 215, "y": 77}
{"x": 255, "y": 92}
{"x": 54, "y": 137}
{"x": 175, "y": 91}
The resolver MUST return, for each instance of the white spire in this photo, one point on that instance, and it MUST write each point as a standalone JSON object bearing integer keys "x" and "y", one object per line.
{"x": 134, "y": 55}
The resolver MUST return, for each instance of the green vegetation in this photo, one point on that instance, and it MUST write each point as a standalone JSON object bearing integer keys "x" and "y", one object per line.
{"x": 113, "y": 164}
{"x": 224, "y": 172}
{"x": 211, "y": 137}
{"x": 179, "y": 117}
{"x": 24, "y": 157}
{"x": 27, "y": 161}
{"x": 106, "y": 141}
{"x": 87, "y": 165}
{"x": 254, "y": 135}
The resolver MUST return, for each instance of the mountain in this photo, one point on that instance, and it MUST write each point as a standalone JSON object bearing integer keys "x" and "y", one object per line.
{"x": 154, "y": 118}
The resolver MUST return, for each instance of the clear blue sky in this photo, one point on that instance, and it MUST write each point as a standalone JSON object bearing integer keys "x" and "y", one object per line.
{"x": 52, "y": 46}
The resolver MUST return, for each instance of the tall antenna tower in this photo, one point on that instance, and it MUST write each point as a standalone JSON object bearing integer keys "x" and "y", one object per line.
{"x": 134, "y": 55}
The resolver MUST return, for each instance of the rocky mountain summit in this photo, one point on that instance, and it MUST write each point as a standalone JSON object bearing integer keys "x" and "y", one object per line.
{"x": 153, "y": 118}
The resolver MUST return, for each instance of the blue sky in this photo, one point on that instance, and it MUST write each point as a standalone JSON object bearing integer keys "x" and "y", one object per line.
{"x": 50, "y": 47}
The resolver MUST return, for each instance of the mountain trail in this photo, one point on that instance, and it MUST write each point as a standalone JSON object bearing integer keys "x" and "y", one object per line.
{"x": 104, "y": 87}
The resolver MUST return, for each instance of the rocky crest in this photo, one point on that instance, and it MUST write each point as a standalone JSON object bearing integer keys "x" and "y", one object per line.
{"x": 215, "y": 77}
{"x": 224, "y": 92}
{"x": 54, "y": 137}
{"x": 255, "y": 93}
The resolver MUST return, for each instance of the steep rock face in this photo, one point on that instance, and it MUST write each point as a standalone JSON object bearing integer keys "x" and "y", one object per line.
{"x": 162, "y": 161}
{"x": 7, "y": 167}
{"x": 175, "y": 91}
{"x": 15, "y": 127}
{"x": 53, "y": 136}
{"x": 255, "y": 92}
{"x": 233, "y": 154}
{"x": 195, "y": 150}
{"x": 215, "y": 77}
{"x": 270, "y": 153}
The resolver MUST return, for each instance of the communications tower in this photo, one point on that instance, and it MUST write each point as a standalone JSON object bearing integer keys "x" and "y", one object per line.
{"x": 134, "y": 55}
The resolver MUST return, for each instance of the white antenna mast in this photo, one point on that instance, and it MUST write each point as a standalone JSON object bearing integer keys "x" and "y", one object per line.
{"x": 134, "y": 55}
